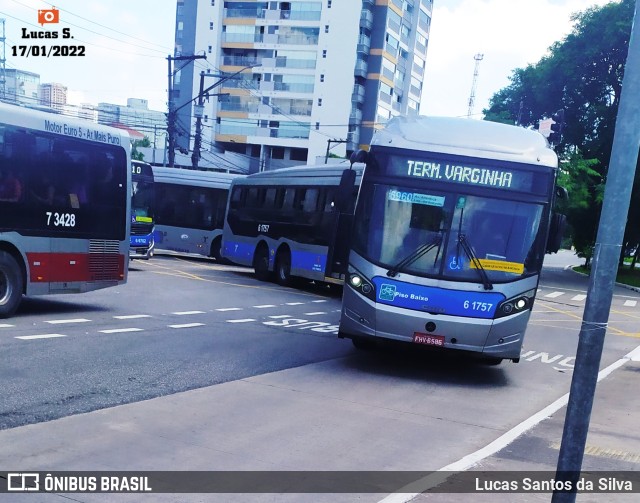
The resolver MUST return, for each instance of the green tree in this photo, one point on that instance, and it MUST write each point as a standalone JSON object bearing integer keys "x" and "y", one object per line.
{"x": 581, "y": 74}
{"x": 135, "y": 154}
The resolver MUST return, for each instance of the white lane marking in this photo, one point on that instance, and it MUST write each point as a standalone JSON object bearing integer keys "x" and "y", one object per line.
{"x": 276, "y": 317}
{"x": 553, "y": 295}
{"x": 264, "y": 306}
{"x": 241, "y": 321}
{"x": 132, "y": 316}
{"x": 43, "y": 336}
{"x": 315, "y": 314}
{"x": 183, "y": 313}
{"x": 318, "y": 301}
{"x": 229, "y": 309}
{"x": 6, "y": 325}
{"x": 293, "y": 303}
{"x": 120, "y": 330}
{"x": 630, "y": 303}
{"x": 579, "y": 297}
{"x": 187, "y": 325}
{"x": 498, "y": 444}
{"x": 59, "y": 322}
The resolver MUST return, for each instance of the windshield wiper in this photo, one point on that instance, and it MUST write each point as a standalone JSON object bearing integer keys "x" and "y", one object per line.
{"x": 415, "y": 255}
{"x": 462, "y": 239}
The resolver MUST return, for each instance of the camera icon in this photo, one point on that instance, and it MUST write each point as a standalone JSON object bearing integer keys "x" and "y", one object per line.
{"x": 48, "y": 16}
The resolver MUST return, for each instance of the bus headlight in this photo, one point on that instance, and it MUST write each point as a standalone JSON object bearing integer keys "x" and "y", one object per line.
{"x": 516, "y": 305}
{"x": 361, "y": 284}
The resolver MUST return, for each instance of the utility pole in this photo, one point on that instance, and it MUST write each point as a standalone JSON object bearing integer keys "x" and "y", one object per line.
{"x": 171, "y": 115}
{"x": 329, "y": 142}
{"x": 472, "y": 96}
{"x": 615, "y": 207}
{"x": 197, "y": 142}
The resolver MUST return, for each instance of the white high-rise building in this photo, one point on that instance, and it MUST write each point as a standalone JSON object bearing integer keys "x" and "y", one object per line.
{"x": 299, "y": 79}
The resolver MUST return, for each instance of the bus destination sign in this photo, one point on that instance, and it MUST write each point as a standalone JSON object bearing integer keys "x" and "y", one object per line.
{"x": 469, "y": 174}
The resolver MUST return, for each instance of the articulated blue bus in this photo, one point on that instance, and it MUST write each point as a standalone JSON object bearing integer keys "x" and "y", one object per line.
{"x": 292, "y": 223}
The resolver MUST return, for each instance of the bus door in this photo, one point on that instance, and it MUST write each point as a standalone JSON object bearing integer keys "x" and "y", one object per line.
{"x": 338, "y": 253}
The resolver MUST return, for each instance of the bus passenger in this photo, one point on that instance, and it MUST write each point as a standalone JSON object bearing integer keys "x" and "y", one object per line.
{"x": 10, "y": 186}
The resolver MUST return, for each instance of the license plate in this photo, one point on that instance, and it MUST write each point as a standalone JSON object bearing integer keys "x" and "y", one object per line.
{"x": 428, "y": 339}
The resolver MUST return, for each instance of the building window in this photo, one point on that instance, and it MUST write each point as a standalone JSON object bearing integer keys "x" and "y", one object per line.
{"x": 326, "y": 28}
{"x": 277, "y": 152}
{"x": 317, "y": 126}
{"x": 322, "y": 77}
{"x": 209, "y": 49}
{"x": 213, "y": 3}
{"x": 328, "y": 4}
{"x": 324, "y": 53}
{"x": 211, "y": 25}
{"x": 319, "y": 102}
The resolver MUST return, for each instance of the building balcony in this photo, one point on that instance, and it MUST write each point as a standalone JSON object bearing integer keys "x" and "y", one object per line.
{"x": 361, "y": 69}
{"x": 366, "y": 19}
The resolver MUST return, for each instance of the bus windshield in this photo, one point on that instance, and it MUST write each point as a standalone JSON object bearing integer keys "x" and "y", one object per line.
{"x": 423, "y": 232}
{"x": 142, "y": 197}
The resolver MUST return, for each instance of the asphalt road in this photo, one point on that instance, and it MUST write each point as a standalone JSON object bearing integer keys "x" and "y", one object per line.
{"x": 180, "y": 324}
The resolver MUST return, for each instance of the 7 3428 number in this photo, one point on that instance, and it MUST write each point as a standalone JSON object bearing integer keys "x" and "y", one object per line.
{"x": 56, "y": 219}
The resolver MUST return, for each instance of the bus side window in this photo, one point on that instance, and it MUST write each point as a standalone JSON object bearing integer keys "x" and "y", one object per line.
{"x": 236, "y": 198}
{"x": 310, "y": 202}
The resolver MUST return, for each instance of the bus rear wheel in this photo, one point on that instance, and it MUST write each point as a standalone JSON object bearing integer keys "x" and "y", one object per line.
{"x": 283, "y": 268}
{"x": 11, "y": 285}
{"x": 261, "y": 263}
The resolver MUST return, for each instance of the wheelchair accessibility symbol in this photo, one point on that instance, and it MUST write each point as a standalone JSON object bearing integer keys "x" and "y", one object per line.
{"x": 454, "y": 263}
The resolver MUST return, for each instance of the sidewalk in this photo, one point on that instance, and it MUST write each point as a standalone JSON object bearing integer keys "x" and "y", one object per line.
{"x": 613, "y": 445}
{"x": 238, "y": 426}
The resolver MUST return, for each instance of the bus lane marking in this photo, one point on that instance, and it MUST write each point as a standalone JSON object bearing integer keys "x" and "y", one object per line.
{"x": 247, "y": 320}
{"x": 293, "y": 303}
{"x": 184, "y": 313}
{"x": 120, "y": 330}
{"x": 43, "y": 336}
{"x": 6, "y": 325}
{"x": 315, "y": 314}
{"x": 132, "y": 316}
{"x": 579, "y": 297}
{"x": 554, "y": 295}
{"x": 76, "y": 320}
{"x": 630, "y": 303}
{"x": 187, "y": 325}
{"x": 223, "y": 309}
{"x": 302, "y": 324}
{"x": 264, "y": 306}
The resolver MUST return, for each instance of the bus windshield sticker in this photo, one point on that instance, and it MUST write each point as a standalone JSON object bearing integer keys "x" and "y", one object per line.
{"x": 415, "y": 198}
{"x": 500, "y": 265}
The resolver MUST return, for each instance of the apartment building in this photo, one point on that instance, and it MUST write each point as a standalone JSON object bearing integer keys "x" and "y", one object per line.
{"x": 293, "y": 82}
{"x": 53, "y": 95}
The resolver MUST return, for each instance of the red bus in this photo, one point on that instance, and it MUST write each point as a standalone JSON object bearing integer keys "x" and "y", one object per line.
{"x": 65, "y": 188}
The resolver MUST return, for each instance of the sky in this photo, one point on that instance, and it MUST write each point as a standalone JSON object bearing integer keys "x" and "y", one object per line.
{"x": 127, "y": 43}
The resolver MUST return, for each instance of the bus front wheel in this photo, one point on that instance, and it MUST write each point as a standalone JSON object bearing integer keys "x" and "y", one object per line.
{"x": 261, "y": 263}
{"x": 11, "y": 285}
{"x": 283, "y": 268}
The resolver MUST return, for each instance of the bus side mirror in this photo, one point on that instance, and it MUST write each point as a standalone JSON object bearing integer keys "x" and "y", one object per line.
{"x": 345, "y": 190}
{"x": 556, "y": 232}
{"x": 359, "y": 156}
{"x": 562, "y": 193}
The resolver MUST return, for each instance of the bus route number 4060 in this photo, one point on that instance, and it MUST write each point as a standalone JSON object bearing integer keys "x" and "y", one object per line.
{"x": 61, "y": 219}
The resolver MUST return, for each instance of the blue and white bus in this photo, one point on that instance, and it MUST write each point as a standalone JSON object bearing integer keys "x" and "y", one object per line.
{"x": 450, "y": 231}
{"x": 189, "y": 210}
{"x": 293, "y": 222}
{"x": 142, "y": 203}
